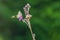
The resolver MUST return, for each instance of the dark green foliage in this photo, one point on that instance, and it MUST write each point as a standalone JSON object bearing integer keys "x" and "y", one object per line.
{"x": 45, "y": 20}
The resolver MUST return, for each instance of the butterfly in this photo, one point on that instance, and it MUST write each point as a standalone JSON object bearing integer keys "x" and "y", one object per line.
{"x": 18, "y": 16}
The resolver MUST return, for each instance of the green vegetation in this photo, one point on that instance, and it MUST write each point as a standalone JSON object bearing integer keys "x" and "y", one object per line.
{"x": 45, "y": 20}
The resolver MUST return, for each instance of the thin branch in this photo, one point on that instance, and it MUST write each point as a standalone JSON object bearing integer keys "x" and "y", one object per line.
{"x": 29, "y": 25}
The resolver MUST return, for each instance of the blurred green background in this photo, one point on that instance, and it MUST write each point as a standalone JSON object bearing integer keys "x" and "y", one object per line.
{"x": 45, "y": 20}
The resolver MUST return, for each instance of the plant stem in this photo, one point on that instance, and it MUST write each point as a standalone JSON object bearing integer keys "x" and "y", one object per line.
{"x": 33, "y": 35}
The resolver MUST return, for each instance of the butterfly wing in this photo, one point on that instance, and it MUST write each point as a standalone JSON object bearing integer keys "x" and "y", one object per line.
{"x": 19, "y": 16}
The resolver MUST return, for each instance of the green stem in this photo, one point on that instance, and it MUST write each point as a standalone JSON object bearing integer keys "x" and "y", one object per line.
{"x": 33, "y": 35}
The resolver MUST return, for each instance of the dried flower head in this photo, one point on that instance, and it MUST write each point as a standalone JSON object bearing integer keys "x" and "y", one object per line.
{"x": 26, "y": 10}
{"x": 26, "y": 19}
